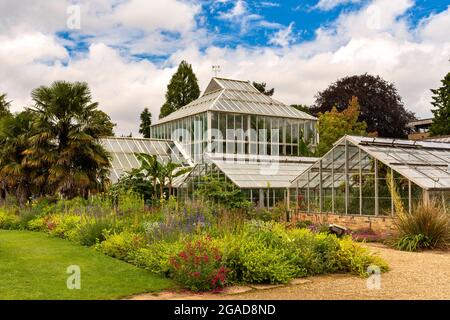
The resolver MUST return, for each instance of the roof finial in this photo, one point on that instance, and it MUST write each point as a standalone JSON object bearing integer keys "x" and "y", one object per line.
{"x": 216, "y": 70}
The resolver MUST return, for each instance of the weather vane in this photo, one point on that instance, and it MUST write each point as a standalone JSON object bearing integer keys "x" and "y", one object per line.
{"x": 216, "y": 70}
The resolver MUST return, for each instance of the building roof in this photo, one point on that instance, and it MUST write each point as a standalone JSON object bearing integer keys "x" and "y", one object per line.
{"x": 235, "y": 96}
{"x": 123, "y": 153}
{"x": 445, "y": 139}
{"x": 425, "y": 163}
{"x": 261, "y": 171}
{"x": 421, "y": 122}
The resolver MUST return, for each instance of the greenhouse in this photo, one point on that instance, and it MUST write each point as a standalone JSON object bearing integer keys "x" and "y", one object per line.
{"x": 264, "y": 180}
{"x": 355, "y": 176}
{"x": 233, "y": 117}
{"x": 123, "y": 153}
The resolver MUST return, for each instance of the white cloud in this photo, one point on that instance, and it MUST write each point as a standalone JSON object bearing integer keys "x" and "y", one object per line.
{"x": 283, "y": 37}
{"x": 238, "y": 10}
{"x": 413, "y": 59}
{"x": 326, "y": 5}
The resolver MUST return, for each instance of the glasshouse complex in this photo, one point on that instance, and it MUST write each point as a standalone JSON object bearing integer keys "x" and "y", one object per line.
{"x": 253, "y": 143}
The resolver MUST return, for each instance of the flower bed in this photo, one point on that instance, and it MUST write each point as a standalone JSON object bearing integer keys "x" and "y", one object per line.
{"x": 200, "y": 249}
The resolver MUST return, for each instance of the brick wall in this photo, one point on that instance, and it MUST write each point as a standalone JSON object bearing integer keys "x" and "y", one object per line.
{"x": 353, "y": 222}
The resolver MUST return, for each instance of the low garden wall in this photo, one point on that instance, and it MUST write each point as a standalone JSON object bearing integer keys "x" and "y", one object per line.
{"x": 353, "y": 222}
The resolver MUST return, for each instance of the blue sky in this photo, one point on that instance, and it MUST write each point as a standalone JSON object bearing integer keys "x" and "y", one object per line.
{"x": 128, "y": 49}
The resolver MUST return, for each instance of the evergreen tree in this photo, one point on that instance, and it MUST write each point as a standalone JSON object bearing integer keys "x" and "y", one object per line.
{"x": 146, "y": 122}
{"x": 441, "y": 101}
{"x": 4, "y": 106}
{"x": 262, "y": 88}
{"x": 182, "y": 89}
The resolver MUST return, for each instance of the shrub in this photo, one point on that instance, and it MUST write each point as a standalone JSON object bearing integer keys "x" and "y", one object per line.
{"x": 427, "y": 227}
{"x": 9, "y": 220}
{"x": 37, "y": 224}
{"x": 64, "y": 225}
{"x": 258, "y": 254}
{"x": 122, "y": 245}
{"x": 303, "y": 224}
{"x": 199, "y": 267}
{"x": 92, "y": 230}
{"x": 313, "y": 253}
{"x": 356, "y": 259}
{"x": 155, "y": 258}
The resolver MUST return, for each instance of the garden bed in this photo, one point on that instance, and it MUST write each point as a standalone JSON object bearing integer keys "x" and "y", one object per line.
{"x": 201, "y": 247}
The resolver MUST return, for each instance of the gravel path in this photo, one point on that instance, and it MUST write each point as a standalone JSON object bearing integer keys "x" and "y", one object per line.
{"x": 424, "y": 275}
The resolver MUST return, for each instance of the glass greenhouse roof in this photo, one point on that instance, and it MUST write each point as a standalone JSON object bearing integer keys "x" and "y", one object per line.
{"x": 425, "y": 163}
{"x": 123, "y": 150}
{"x": 235, "y": 96}
{"x": 262, "y": 171}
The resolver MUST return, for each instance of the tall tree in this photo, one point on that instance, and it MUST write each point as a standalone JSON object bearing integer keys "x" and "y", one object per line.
{"x": 146, "y": 122}
{"x": 182, "y": 89}
{"x": 262, "y": 88}
{"x": 441, "y": 103}
{"x": 4, "y": 106}
{"x": 381, "y": 106}
{"x": 15, "y": 177}
{"x": 334, "y": 124}
{"x": 65, "y": 139}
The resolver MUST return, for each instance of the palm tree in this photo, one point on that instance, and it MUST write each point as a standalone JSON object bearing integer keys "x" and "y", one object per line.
{"x": 4, "y": 106}
{"x": 15, "y": 176}
{"x": 151, "y": 169}
{"x": 173, "y": 170}
{"x": 65, "y": 140}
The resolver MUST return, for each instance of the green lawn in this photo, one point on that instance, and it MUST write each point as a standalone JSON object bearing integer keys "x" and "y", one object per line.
{"x": 33, "y": 266}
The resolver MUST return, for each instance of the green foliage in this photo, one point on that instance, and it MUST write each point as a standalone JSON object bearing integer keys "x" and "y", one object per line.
{"x": 64, "y": 143}
{"x": 302, "y": 107}
{"x": 427, "y": 227}
{"x": 8, "y": 220}
{"x": 182, "y": 89}
{"x": 171, "y": 240}
{"x": 217, "y": 190}
{"x": 275, "y": 214}
{"x": 261, "y": 86}
{"x": 4, "y": 106}
{"x": 382, "y": 108}
{"x": 156, "y": 258}
{"x": 146, "y": 122}
{"x": 15, "y": 173}
{"x": 121, "y": 245}
{"x": 333, "y": 125}
{"x": 441, "y": 111}
{"x": 91, "y": 231}
{"x": 53, "y": 147}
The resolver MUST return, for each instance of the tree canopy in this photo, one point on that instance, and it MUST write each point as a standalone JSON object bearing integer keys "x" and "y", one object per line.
{"x": 334, "y": 124}
{"x": 182, "y": 89}
{"x": 302, "y": 107}
{"x": 63, "y": 140}
{"x": 381, "y": 106}
{"x": 146, "y": 122}
{"x": 262, "y": 88}
{"x": 441, "y": 103}
{"x": 4, "y": 106}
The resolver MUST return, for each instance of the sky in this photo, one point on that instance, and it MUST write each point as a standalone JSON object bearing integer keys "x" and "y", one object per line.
{"x": 127, "y": 50}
